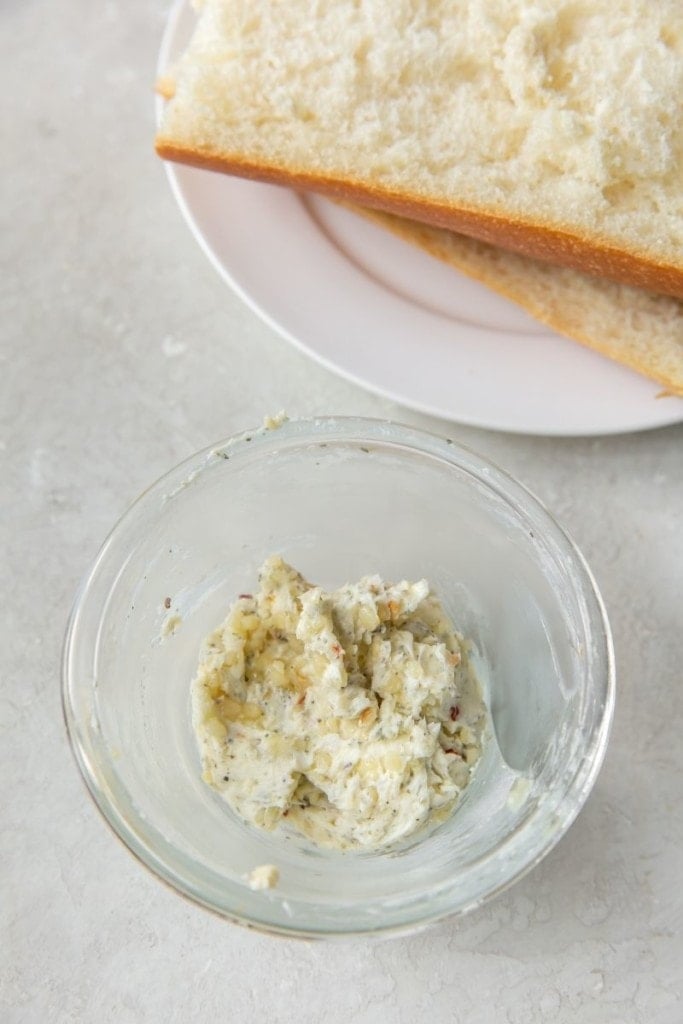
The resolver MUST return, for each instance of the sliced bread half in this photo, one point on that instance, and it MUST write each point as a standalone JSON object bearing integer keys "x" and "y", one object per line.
{"x": 637, "y": 328}
{"x": 551, "y": 127}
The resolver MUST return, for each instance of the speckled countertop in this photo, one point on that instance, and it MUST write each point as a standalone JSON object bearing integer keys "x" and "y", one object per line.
{"x": 123, "y": 352}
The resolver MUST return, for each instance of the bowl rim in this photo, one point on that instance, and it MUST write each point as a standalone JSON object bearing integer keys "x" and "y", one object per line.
{"x": 352, "y": 430}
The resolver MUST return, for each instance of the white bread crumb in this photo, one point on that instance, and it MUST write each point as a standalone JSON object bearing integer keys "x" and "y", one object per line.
{"x": 265, "y": 876}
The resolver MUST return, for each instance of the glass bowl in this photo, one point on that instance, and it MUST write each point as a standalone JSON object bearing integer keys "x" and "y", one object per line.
{"x": 339, "y": 499}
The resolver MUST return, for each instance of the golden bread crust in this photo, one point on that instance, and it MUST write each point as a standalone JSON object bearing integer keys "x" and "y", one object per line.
{"x": 565, "y": 304}
{"x": 564, "y": 247}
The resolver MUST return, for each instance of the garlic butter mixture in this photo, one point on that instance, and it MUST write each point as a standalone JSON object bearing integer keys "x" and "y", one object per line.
{"x": 352, "y": 714}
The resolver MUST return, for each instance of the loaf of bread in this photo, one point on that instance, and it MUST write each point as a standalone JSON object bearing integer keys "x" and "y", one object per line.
{"x": 637, "y": 328}
{"x": 550, "y": 127}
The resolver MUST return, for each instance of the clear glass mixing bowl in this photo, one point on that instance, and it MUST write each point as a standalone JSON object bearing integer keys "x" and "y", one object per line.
{"x": 339, "y": 498}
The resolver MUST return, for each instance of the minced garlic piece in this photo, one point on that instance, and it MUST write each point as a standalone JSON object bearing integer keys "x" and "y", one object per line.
{"x": 353, "y": 715}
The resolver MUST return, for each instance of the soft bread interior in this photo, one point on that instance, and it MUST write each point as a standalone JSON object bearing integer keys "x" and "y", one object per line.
{"x": 566, "y": 114}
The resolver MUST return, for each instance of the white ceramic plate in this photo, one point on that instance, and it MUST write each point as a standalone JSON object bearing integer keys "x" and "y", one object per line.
{"x": 393, "y": 319}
